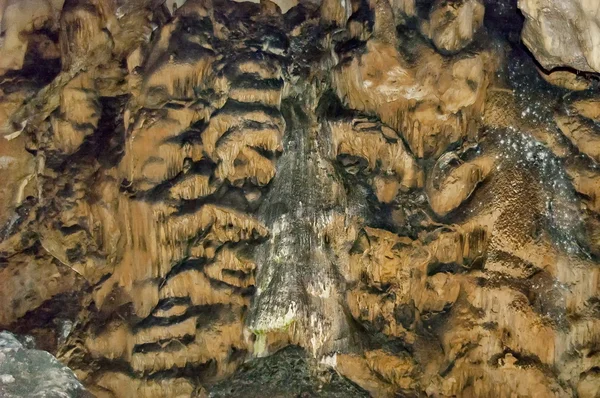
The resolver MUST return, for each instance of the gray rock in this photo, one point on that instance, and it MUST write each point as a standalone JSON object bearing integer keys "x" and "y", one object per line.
{"x": 30, "y": 373}
{"x": 298, "y": 289}
{"x": 289, "y": 372}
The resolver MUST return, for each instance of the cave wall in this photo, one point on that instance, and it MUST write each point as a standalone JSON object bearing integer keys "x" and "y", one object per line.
{"x": 397, "y": 187}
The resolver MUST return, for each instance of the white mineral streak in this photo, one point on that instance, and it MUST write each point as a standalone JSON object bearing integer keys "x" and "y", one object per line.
{"x": 6, "y": 161}
{"x": 329, "y": 360}
{"x": 298, "y": 294}
{"x": 7, "y": 379}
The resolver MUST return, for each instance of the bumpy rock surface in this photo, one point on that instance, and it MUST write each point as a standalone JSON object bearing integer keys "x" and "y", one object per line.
{"x": 287, "y": 373}
{"x": 26, "y": 372}
{"x": 394, "y": 188}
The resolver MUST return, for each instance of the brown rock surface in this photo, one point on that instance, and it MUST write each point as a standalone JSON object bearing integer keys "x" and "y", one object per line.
{"x": 388, "y": 185}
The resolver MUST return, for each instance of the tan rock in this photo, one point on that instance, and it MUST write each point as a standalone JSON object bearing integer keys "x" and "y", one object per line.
{"x": 563, "y": 33}
{"x": 424, "y": 102}
{"x": 19, "y": 18}
{"x": 17, "y": 178}
{"x": 452, "y": 24}
{"x": 27, "y": 282}
{"x": 578, "y": 123}
{"x": 421, "y": 232}
{"x": 566, "y": 79}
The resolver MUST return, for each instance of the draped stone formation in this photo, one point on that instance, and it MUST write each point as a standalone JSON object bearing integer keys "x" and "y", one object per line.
{"x": 363, "y": 197}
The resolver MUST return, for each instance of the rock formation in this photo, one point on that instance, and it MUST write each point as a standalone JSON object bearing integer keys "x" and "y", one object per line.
{"x": 563, "y": 33}
{"x": 363, "y": 197}
{"x": 26, "y": 372}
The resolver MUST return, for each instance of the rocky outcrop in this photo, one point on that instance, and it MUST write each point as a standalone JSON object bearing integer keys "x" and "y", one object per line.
{"x": 189, "y": 189}
{"x": 27, "y": 372}
{"x": 563, "y": 33}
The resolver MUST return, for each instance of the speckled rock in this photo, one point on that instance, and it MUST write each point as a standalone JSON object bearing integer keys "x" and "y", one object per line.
{"x": 289, "y": 372}
{"x": 30, "y": 373}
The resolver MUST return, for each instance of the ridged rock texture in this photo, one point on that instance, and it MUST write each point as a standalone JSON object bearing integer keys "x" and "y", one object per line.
{"x": 365, "y": 197}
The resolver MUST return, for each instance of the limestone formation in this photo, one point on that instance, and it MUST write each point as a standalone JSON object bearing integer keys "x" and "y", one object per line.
{"x": 563, "y": 33}
{"x": 338, "y": 198}
{"x": 452, "y": 24}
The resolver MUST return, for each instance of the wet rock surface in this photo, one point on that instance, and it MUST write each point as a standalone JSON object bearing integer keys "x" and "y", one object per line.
{"x": 222, "y": 198}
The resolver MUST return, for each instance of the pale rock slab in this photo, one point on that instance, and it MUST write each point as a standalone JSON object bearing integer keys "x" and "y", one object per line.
{"x": 563, "y": 32}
